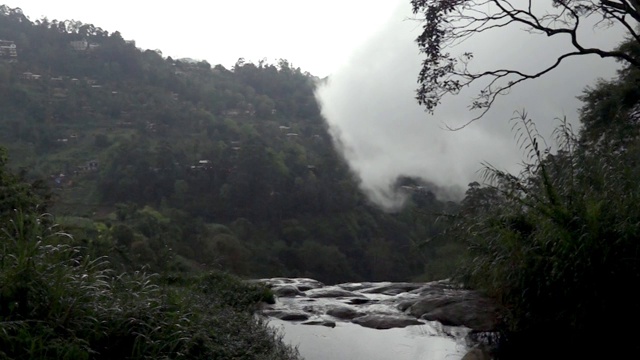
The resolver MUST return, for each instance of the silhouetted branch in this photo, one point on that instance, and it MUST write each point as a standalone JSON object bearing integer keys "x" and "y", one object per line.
{"x": 448, "y": 23}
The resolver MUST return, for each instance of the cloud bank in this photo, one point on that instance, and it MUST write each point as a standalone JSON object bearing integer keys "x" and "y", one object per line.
{"x": 370, "y": 107}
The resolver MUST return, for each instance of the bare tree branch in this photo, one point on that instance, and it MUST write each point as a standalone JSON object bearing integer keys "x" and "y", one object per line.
{"x": 448, "y": 23}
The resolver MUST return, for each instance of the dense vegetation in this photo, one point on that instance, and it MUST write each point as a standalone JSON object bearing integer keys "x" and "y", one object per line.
{"x": 558, "y": 244}
{"x": 184, "y": 166}
{"x": 58, "y": 303}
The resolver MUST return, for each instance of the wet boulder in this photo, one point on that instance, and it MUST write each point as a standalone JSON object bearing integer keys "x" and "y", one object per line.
{"x": 321, "y": 322}
{"x": 428, "y": 304}
{"x": 287, "y": 315}
{"x": 405, "y": 304}
{"x": 304, "y": 284}
{"x": 359, "y": 301}
{"x": 380, "y": 321}
{"x": 344, "y": 312}
{"x": 393, "y": 288}
{"x": 286, "y": 291}
{"x": 476, "y": 313}
{"x": 332, "y": 292}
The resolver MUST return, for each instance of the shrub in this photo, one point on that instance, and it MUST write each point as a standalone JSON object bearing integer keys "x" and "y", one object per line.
{"x": 57, "y": 303}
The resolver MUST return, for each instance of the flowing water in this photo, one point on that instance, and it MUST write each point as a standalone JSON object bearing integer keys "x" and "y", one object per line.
{"x": 349, "y": 341}
{"x": 340, "y": 337}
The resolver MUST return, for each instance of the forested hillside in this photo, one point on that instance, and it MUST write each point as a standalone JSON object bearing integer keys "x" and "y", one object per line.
{"x": 185, "y": 166}
{"x": 180, "y": 168}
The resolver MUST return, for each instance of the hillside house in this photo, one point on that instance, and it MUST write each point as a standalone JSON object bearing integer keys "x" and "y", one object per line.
{"x": 8, "y": 51}
{"x": 91, "y": 165}
{"x": 79, "y": 45}
{"x": 202, "y": 165}
{"x": 30, "y": 76}
{"x": 231, "y": 112}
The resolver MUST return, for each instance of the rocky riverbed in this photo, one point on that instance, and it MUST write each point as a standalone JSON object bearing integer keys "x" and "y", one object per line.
{"x": 432, "y": 320}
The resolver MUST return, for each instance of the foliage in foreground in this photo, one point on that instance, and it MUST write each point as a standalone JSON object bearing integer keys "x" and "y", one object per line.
{"x": 558, "y": 246}
{"x": 56, "y": 303}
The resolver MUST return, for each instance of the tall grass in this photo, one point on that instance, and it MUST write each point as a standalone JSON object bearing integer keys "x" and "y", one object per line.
{"x": 58, "y": 304}
{"x": 558, "y": 246}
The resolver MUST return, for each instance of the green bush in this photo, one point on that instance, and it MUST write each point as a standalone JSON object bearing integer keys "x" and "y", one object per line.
{"x": 56, "y": 303}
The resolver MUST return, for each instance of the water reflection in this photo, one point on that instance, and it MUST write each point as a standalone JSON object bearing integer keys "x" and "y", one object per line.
{"x": 349, "y": 341}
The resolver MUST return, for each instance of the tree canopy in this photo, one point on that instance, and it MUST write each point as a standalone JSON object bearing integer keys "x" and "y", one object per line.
{"x": 447, "y": 23}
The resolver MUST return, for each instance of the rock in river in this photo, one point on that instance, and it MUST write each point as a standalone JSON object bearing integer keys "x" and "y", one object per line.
{"x": 332, "y": 292}
{"x": 380, "y": 321}
{"x": 344, "y": 312}
{"x": 288, "y": 315}
{"x": 286, "y": 291}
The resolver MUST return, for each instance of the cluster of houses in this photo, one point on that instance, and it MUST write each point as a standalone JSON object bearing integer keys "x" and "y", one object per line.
{"x": 83, "y": 45}
{"x": 58, "y": 92}
{"x": 27, "y": 75}
{"x": 9, "y": 50}
{"x": 9, "y": 53}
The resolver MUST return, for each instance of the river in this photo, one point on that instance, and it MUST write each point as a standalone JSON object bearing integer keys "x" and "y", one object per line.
{"x": 369, "y": 321}
{"x": 349, "y": 341}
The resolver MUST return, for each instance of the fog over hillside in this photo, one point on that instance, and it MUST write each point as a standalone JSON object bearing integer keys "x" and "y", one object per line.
{"x": 383, "y": 133}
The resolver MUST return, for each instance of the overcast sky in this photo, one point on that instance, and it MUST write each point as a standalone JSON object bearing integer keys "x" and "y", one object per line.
{"x": 370, "y": 106}
{"x": 316, "y": 36}
{"x": 368, "y": 48}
